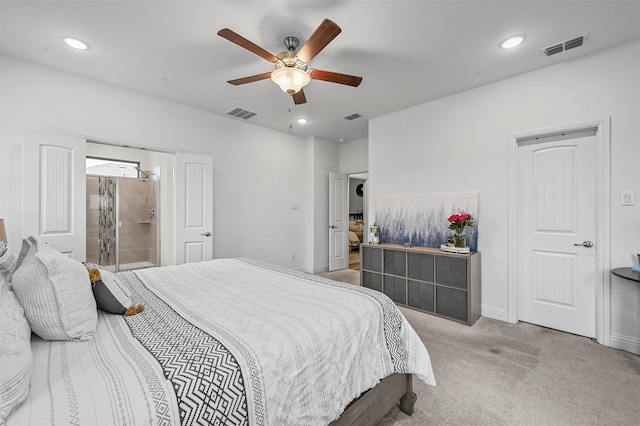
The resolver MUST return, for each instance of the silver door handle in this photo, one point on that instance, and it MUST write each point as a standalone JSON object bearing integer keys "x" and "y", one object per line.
{"x": 587, "y": 244}
{"x": 207, "y": 234}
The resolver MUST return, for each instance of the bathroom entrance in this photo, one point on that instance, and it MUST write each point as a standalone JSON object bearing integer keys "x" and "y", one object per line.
{"x": 122, "y": 215}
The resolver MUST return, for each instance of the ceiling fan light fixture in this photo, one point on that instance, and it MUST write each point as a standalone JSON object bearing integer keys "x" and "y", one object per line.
{"x": 290, "y": 79}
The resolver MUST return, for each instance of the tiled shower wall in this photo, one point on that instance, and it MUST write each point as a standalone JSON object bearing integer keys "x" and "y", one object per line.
{"x": 138, "y": 221}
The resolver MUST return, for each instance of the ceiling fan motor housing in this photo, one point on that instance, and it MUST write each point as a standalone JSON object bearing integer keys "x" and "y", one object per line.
{"x": 291, "y": 43}
{"x": 290, "y": 59}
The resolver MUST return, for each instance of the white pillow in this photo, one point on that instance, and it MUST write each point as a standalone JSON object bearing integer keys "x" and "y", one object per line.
{"x": 15, "y": 352}
{"x": 55, "y": 292}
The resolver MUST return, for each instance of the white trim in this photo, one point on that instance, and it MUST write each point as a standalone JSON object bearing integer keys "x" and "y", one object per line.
{"x": 144, "y": 147}
{"x": 625, "y": 343}
{"x": 603, "y": 221}
{"x": 494, "y": 313}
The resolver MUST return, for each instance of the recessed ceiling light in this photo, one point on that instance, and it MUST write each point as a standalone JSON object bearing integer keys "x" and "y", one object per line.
{"x": 513, "y": 41}
{"x": 75, "y": 43}
{"x": 302, "y": 121}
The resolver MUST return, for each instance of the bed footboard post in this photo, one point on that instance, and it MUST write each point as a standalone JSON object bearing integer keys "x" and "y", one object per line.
{"x": 408, "y": 400}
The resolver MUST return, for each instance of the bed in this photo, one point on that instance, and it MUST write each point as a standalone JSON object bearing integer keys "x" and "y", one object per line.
{"x": 356, "y": 233}
{"x": 227, "y": 341}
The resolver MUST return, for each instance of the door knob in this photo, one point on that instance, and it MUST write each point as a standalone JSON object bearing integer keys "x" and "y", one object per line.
{"x": 332, "y": 226}
{"x": 207, "y": 234}
{"x": 587, "y": 244}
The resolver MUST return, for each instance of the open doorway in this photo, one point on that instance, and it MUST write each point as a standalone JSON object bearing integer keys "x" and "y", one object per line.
{"x": 357, "y": 226}
{"x": 129, "y": 207}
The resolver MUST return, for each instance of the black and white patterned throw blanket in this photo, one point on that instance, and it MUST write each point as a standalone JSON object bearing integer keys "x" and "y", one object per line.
{"x": 206, "y": 377}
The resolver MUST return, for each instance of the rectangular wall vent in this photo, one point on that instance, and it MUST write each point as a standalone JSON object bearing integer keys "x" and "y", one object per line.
{"x": 565, "y": 45}
{"x": 242, "y": 113}
{"x": 352, "y": 116}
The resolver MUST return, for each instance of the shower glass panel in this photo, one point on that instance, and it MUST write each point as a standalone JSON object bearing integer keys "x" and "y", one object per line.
{"x": 122, "y": 222}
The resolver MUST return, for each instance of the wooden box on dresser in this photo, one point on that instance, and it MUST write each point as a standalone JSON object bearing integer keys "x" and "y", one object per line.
{"x": 424, "y": 278}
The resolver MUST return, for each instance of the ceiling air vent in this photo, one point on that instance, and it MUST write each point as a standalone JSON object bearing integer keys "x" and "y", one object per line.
{"x": 242, "y": 113}
{"x": 552, "y": 50}
{"x": 576, "y": 42}
{"x": 352, "y": 116}
{"x": 565, "y": 45}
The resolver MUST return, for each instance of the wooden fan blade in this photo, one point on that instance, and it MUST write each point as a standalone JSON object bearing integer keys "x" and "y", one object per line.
{"x": 250, "y": 79}
{"x": 327, "y": 31}
{"x": 335, "y": 77}
{"x": 299, "y": 97}
{"x": 236, "y": 38}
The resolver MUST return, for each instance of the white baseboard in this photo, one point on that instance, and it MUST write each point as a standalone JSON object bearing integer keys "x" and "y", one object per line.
{"x": 494, "y": 313}
{"x": 625, "y": 343}
{"x": 320, "y": 269}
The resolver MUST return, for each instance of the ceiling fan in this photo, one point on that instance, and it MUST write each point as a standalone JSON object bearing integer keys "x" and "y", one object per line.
{"x": 291, "y": 67}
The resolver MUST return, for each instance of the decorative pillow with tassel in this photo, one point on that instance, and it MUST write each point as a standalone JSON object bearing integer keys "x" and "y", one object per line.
{"x": 110, "y": 297}
{"x": 108, "y": 294}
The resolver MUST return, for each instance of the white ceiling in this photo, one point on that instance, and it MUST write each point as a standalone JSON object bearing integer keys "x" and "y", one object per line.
{"x": 408, "y": 52}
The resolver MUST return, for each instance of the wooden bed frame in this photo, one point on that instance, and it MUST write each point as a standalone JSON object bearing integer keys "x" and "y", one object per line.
{"x": 371, "y": 407}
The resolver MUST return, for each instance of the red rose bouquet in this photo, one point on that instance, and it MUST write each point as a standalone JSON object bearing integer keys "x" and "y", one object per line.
{"x": 458, "y": 223}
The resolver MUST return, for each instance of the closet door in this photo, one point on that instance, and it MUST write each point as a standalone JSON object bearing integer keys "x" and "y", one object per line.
{"x": 54, "y": 191}
{"x": 338, "y": 222}
{"x": 194, "y": 208}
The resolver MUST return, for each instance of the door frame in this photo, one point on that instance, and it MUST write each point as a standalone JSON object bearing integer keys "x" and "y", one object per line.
{"x": 166, "y": 245}
{"x": 603, "y": 219}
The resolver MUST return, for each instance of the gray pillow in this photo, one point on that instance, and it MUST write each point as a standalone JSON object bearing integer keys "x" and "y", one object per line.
{"x": 108, "y": 294}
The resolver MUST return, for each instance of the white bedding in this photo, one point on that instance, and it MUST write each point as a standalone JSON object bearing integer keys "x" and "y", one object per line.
{"x": 108, "y": 380}
{"x": 353, "y": 239}
{"x": 305, "y": 347}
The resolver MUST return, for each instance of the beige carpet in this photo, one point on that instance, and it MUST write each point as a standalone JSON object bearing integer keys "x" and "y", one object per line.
{"x": 496, "y": 373}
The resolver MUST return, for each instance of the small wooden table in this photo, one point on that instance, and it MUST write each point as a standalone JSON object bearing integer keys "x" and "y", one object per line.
{"x": 627, "y": 273}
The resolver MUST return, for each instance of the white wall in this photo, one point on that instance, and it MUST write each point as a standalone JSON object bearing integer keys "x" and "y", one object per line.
{"x": 464, "y": 137}
{"x": 258, "y": 173}
{"x": 354, "y": 156}
{"x": 325, "y": 160}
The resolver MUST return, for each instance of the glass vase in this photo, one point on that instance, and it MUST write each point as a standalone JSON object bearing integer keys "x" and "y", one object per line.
{"x": 459, "y": 239}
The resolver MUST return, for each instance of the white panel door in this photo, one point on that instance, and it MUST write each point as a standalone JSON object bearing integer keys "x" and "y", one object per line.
{"x": 194, "y": 208}
{"x": 338, "y": 222}
{"x": 54, "y": 191}
{"x": 557, "y": 281}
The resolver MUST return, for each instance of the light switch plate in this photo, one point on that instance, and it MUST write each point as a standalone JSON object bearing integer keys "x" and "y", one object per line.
{"x": 627, "y": 198}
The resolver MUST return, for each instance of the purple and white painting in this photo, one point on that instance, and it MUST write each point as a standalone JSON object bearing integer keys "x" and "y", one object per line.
{"x": 422, "y": 219}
